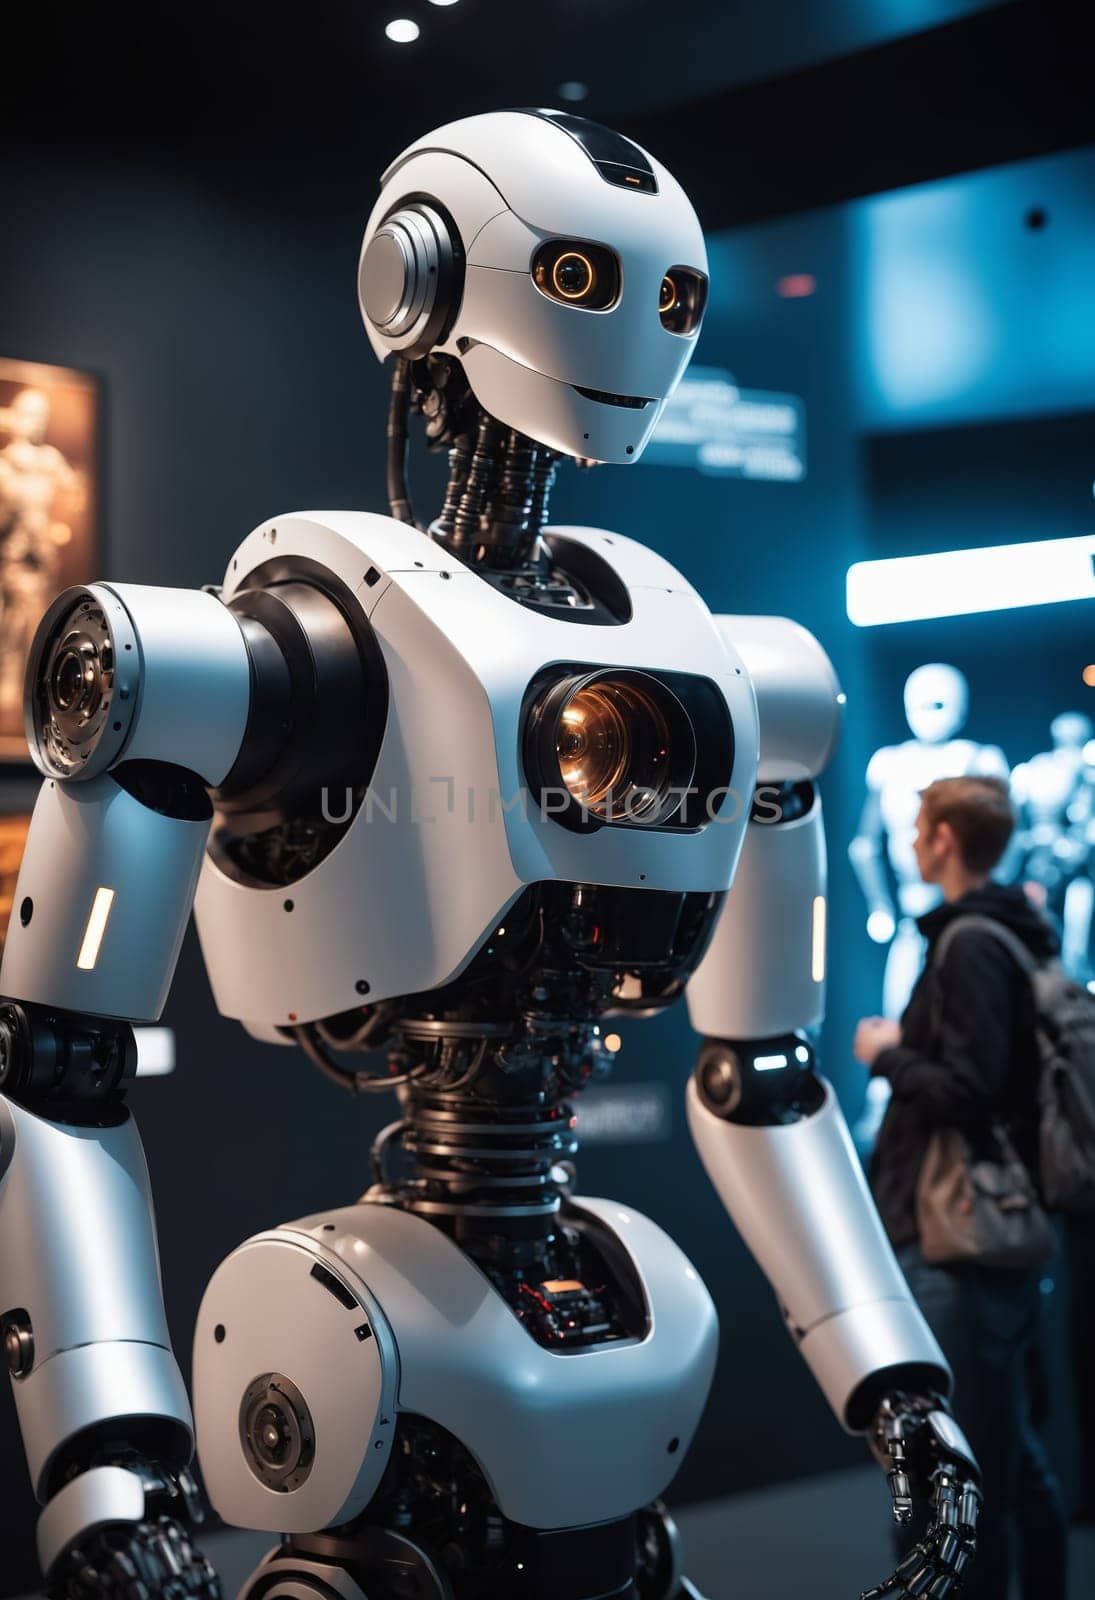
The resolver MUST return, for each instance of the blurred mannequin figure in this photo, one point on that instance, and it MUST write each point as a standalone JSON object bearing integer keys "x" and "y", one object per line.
{"x": 1053, "y": 793}
{"x": 936, "y": 705}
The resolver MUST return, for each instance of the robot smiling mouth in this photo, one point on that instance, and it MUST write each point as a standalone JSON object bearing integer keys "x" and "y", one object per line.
{"x": 631, "y": 401}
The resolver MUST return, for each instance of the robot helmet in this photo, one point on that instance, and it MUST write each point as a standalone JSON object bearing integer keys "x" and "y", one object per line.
{"x": 936, "y": 701}
{"x": 1070, "y": 730}
{"x": 556, "y": 260}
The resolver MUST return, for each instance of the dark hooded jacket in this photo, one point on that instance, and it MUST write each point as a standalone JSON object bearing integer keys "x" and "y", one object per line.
{"x": 979, "y": 1067}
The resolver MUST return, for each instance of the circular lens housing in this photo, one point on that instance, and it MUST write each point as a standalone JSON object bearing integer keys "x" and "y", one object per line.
{"x": 610, "y": 747}
{"x": 577, "y": 273}
{"x": 77, "y": 714}
{"x": 667, "y": 295}
{"x": 573, "y": 276}
{"x": 277, "y": 1432}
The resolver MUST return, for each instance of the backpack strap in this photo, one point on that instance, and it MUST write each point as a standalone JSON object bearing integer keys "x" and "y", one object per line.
{"x": 1011, "y": 941}
{"x": 1004, "y": 936}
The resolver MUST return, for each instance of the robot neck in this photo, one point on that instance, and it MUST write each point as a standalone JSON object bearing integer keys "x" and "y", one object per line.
{"x": 496, "y": 503}
{"x": 500, "y": 481}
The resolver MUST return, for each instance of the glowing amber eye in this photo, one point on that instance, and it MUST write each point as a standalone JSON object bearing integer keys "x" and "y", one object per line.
{"x": 573, "y": 276}
{"x": 681, "y": 299}
{"x": 578, "y": 273}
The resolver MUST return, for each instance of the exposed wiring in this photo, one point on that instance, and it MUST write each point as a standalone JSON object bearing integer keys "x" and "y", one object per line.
{"x": 352, "y": 1082}
{"x": 398, "y": 412}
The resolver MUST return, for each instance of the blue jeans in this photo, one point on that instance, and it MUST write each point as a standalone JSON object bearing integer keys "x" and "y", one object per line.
{"x": 987, "y": 1322}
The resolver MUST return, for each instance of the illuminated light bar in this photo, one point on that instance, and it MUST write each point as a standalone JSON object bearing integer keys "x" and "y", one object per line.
{"x": 817, "y": 964}
{"x": 768, "y": 1063}
{"x": 958, "y": 583}
{"x": 155, "y": 1052}
{"x": 96, "y": 927}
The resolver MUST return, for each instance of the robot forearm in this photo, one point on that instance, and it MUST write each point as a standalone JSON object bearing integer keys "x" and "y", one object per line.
{"x": 865, "y": 855}
{"x": 85, "y": 1335}
{"x": 796, "y": 1193}
{"x": 773, "y": 1139}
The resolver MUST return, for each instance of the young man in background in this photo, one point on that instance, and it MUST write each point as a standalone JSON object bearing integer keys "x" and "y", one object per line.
{"x": 964, "y": 1056}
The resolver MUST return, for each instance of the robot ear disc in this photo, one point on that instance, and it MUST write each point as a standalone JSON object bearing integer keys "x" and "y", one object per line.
{"x": 411, "y": 277}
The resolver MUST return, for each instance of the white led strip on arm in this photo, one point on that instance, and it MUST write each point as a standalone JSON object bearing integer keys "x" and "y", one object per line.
{"x": 96, "y": 927}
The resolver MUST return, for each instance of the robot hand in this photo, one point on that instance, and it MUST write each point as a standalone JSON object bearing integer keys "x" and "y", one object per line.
{"x": 103, "y": 1538}
{"x": 926, "y": 1455}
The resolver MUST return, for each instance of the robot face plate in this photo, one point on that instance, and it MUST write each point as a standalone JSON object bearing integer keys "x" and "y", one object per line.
{"x": 584, "y": 276}
{"x": 936, "y": 702}
{"x": 450, "y": 832}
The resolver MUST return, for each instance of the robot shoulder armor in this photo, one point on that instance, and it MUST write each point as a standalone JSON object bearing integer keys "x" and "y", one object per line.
{"x": 881, "y": 766}
{"x": 634, "y": 563}
{"x": 988, "y": 761}
{"x": 356, "y": 547}
{"x": 798, "y": 695}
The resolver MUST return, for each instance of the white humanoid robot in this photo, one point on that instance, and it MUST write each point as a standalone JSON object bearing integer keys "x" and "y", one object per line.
{"x": 936, "y": 704}
{"x": 1053, "y": 794}
{"x": 466, "y": 792}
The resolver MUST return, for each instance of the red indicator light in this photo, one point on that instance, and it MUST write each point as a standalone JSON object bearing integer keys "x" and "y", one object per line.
{"x": 796, "y": 286}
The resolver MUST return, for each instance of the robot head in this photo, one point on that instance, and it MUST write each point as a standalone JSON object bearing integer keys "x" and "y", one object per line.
{"x": 936, "y": 702}
{"x": 557, "y": 261}
{"x": 1071, "y": 730}
{"x": 29, "y": 415}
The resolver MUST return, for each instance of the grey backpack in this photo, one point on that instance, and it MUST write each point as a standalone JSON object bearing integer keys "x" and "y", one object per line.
{"x": 1064, "y": 1028}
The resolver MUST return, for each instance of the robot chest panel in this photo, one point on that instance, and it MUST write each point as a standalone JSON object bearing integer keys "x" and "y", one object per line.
{"x": 454, "y": 827}
{"x": 911, "y": 767}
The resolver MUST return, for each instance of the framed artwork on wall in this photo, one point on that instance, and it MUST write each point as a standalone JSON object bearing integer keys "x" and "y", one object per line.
{"x": 49, "y": 441}
{"x": 13, "y": 836}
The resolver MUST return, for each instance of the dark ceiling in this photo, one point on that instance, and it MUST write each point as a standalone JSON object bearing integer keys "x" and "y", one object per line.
{"x": 760, "y": 106}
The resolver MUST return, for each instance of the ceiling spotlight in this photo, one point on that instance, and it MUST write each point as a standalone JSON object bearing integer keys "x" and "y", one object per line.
{"x": 402, "y": 31}
{"x": 442, "y": 2}
{"x": 573, "y": 90}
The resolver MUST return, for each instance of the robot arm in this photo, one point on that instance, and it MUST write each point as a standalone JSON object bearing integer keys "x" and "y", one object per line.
{"x": 138, "y": 701}
{"x": 770, "y": 1132}
{"x": 867, "y": 856}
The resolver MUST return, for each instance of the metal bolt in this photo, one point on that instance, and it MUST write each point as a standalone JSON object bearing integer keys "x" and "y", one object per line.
{"x": 18, "y": 1348}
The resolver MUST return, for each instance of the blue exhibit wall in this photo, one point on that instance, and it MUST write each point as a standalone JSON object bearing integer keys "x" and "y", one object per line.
{"x": 237, "y": 382}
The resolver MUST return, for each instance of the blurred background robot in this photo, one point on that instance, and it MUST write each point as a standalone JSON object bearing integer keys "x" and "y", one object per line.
{"x": 1054, "y": 795}
{"x": 882, "y": 857}
{"x": 458, "y": 793}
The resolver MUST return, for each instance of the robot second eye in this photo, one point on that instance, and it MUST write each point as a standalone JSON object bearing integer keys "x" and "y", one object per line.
{"x": 577, "y": 273}
{"x": 682, "y": 299}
